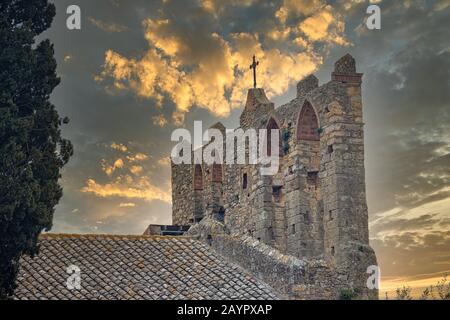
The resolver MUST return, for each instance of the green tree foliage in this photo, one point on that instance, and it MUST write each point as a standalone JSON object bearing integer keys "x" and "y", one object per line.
{"x": 32, "y": 151}
{"x": 348, "y": 294}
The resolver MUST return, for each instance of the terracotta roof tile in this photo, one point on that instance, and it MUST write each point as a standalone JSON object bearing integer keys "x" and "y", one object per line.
{"x": 134, "y": 267}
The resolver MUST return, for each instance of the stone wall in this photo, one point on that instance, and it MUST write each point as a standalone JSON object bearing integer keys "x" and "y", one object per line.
{"x": 293, "y": 277}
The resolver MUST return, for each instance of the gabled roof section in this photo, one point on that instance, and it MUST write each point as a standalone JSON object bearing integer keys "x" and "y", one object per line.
{"x": 134, "y": 267}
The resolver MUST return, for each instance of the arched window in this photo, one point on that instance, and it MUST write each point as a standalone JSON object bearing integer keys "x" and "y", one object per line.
{"x": 272, "y": 125}
{"x": 308, "y": 126}
{"x": 217, "y": 172}
{"x": 198, "y": 177}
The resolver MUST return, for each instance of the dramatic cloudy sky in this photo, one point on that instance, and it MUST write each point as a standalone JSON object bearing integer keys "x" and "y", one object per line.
{"x": 139, "y": 69}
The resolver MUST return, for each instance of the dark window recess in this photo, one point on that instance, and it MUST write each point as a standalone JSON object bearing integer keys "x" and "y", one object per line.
{"x": 244, "y": 181}
{"x": 276, "y": 193}
{"x": 191, "y": 220}
{"x": 330, "y": 213}
{"x": 221, "y": 215}
{"x": 312, "y": 178}
{"x": 291, "y": 169}
{"x": 332, "y": 251}
{"x": 330, "y": 149}
{"x": 307, "y": 217}
{"x": 293, "y": 229}
{"x": 270, "y": 234}
{"x": 209, "y": 240}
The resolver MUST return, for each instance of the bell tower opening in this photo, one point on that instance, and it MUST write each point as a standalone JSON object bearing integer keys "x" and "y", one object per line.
{"x": 308, "y": 126}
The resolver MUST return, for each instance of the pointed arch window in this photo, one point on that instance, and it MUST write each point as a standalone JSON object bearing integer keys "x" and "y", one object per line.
{"x": 272, "y": 125}
{"x": 217, "y": 175}
{"x": 308, "y": 125}
{"x": 198, "y": 177}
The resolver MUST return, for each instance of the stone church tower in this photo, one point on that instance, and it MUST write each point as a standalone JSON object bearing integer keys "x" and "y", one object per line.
{"x": 313, "y": 210}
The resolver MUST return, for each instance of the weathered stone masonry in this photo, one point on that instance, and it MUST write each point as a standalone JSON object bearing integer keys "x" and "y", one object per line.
{"x": 313, "y": 210}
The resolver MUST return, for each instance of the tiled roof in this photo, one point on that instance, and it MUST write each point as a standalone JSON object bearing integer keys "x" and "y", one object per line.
{"x": 134, "y": 267}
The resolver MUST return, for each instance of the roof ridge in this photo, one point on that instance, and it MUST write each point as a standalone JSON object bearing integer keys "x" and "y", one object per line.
{"x": 108, "y": 236}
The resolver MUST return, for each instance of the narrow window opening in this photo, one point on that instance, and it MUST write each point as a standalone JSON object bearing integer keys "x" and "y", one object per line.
{"x": 244, "y": 181}
{"x": 332, "y": 251}
{"x": 330, "y": 149}
{"x": 276, "y": 194}
{"x": 209, "y": 239}
{"x": 306, "y": 217}
{"x": 293, "y": 229}
{"x": 313, "y": 178}
{"x": 221, "y": 215}
{"x": 270, "y": 233}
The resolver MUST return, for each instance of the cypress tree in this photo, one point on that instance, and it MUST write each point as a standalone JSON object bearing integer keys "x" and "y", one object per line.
{"x": 32, "y": 151}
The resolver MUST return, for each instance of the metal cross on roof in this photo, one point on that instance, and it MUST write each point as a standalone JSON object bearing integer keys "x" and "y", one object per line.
{"x": 253, "y": 66}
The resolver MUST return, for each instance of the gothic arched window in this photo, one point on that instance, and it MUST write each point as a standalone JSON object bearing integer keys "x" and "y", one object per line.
{"x": 308, "y": 126}
{"x": 216, "y": 172}
{"x": 198, "y": 177}
{"x": 272, "y": 125}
